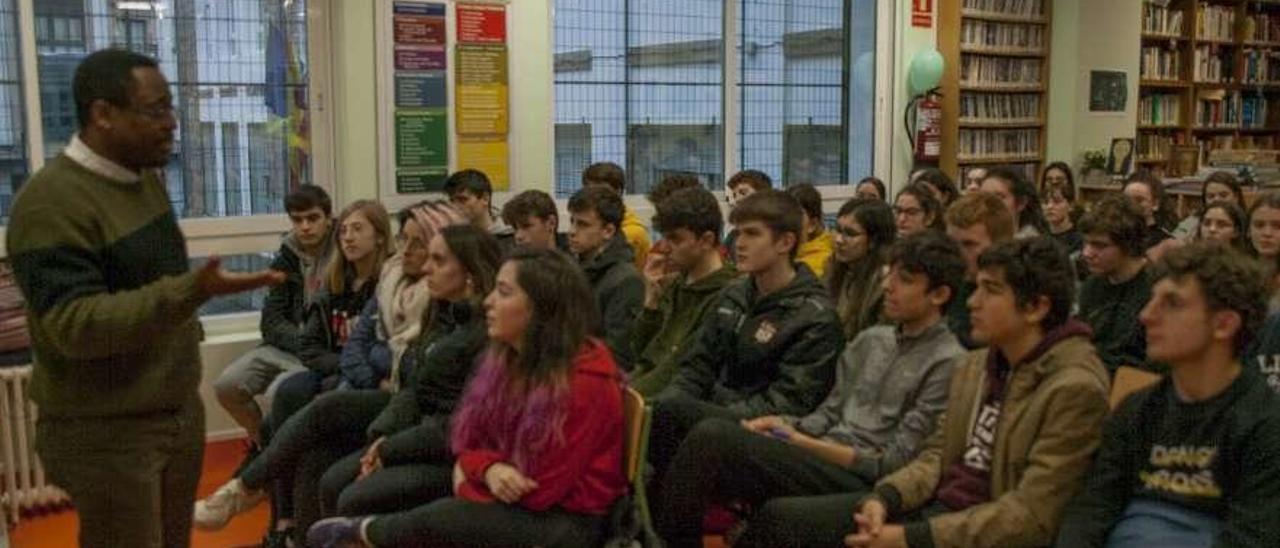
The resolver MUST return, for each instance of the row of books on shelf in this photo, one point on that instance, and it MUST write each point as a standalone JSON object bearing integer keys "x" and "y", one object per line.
{"x": 1261, "y": 66}
{"x": 1001, "y": 36}
{"x": 1156, "y": 146}
{"x": 998, "y": 143}
{"x": 1158, "y": 19}
{"x": 1262, "y": 27}
{"x": 1023, "y": 8}
{"x": 982, "y": 70}
{"x": 999, "y": 106}
{"x": 1213, "y": 64}
{"x": 1160, "y": 109}
{"x": 1215, "y": 22}
{"x": 1220, "y": 109}
{"x": 1211, "y": 143}
{"x": 1158, "y": 63}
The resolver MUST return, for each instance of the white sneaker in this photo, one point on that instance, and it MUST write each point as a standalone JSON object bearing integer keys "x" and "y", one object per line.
{"x": 213, "y": 512}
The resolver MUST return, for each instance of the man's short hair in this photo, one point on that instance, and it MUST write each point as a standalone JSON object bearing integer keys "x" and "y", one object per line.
{"x": 604, "y": 201}
{"x": 670, "y": 184}
{"x": 530, "y": 203}
{"x": 936, "y": 256}
{"x": 985, "y": 208}
{"x": 1229, "y": 279}
{"x": 307, "y": 197}
{"x": 473, "y": 181}
{"x": 106, "y": 75}
{"x": 695, "y": 209}
{"x": 776, "y": 209}
{"x": 1120, "y": 219}
{"x": 808, "y": 197}
{"x": 1035, "y": 267}
{"x": 607, "y": 173}
{"x": 757, "y": 179}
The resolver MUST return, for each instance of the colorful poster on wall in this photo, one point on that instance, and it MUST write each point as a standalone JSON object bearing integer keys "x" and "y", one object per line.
{"x": 481, "y": 23}
{"x": 488, "y": 154}
{"x": 421, "y": 139}
{"x": 421, "y": 98}
{"x": 418, "y": 24}
{"x": 481, "y": 88}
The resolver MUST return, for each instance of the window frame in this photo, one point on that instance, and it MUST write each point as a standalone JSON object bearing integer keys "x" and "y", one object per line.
{"x": 731, "y": 111}
{"x": 210, "y": 236}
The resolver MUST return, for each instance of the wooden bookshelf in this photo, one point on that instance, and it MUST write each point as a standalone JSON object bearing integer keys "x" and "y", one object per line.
{"x": 994, "y": 90}
{"x": 1224, "y": 86}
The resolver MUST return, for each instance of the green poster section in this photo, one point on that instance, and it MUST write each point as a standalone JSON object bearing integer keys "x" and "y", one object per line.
{"x": 422, "y": 150}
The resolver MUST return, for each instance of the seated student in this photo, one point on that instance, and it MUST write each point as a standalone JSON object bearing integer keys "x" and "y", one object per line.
{"x": 770, "y": 347}
{"x": 683, "y": 276}
{"x": 302, "y": 256}
{"x": 815, "y": 250}
{"x": 944, "y": 189}
{"x": 1147, "y": 192}
{"x": 916, "y": 210}
{"x": 890, "y": 387}
{"x": 1022, "y": 421}
{"x": 1019, "y": 195}
{"x": 538, "y": 434}
{"x": 1119, "y": 282}
{"x": 1223, "y": 222}
{"x": 458, "y": 264}
{"x": 976, "y": 222}
{"x": 1058, "y": 201}
{"x": 743, "y": 183}
{"x": 670, "y": 185}
{"x": 1264, "y": 235}
{"x": 611, "y": 176}
{"x": 1192, "y": 460}
{"x": 536, "y": 221}
{"x": 1219, "y": 186}
{"x": 472, "y": 193}
{"x": 864, "y": 231}
{"x": 872, "y": 188}
{"x": 973, "y": 179}
{"x": 595, "y": 214}
{"x": 362, "y": 245}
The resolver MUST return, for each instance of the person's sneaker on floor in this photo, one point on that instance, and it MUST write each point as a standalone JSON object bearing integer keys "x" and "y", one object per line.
{"x": 280, "y": 538}
{"x": 233, "y": 498}
{"x": 338, "y": 533}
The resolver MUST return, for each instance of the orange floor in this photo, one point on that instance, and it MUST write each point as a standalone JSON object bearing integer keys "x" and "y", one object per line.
{"x": 220, "y": 460}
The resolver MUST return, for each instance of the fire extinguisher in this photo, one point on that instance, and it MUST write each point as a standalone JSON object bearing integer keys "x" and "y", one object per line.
{"x": 926, "y": 136}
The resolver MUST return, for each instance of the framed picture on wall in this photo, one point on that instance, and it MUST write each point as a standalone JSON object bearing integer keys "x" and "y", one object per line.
{"x": 1120, "y": 161}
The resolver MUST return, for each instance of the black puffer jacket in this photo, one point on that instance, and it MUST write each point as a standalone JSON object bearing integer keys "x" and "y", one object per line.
{"x": 765, "y": 355}
{"x": 284, "y": 309}
{"x": 443, "y": 358}
{"x": 619, "y": 294}
{"x": 328, "y": 316}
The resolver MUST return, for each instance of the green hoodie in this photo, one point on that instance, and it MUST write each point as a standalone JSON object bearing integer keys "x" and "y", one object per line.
{"x": 661, "y": 334}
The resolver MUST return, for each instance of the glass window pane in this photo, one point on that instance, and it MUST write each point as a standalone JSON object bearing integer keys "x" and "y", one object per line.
{"x": 13, "y": 143}
{"x": 791, "y": 57}
{"x": 249, "y": 301}
{"x": 638, "y": 83}
{"x": 223, "y": 90}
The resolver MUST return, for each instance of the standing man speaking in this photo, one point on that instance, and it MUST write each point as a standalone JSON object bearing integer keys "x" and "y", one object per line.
{"x": 112, "y": 307}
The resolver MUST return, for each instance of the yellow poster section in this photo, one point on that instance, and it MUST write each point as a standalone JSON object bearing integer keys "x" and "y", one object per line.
{"x": 487, "y": 153}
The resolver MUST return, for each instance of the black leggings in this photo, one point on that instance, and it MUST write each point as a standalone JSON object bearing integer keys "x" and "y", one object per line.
{"x": 457, "y": 523}
{"x": 388, "y": 490}
{"x": 306, "y": 444}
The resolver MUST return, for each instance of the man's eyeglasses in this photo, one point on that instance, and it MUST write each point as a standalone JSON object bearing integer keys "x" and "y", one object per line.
{"x": 157, "y": 113}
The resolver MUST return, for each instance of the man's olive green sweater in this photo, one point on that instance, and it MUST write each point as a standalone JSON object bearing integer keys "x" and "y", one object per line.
{"x": 111, "y": 301}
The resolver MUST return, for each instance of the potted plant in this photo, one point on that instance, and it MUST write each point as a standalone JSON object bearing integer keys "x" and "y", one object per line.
{"x": 1094, "y": 170}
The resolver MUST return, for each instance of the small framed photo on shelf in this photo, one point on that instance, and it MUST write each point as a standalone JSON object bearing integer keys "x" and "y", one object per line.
{"x": 1184, "y": 160}
{"x": 1120, "y": 161}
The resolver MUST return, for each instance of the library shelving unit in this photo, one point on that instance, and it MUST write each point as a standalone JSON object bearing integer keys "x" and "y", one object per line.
{"x": 1210, "y": 78}
{"x": 995, "y": 83}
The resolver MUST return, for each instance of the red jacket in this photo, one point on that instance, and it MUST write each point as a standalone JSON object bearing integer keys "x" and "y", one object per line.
{"x": 582, "y": 471}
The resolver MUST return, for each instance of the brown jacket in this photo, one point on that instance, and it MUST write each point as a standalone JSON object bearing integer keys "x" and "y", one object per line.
{"x": 1048, "y": 430}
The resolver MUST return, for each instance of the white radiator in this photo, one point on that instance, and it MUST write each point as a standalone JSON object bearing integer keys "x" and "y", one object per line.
{"x": 22, "y": 483}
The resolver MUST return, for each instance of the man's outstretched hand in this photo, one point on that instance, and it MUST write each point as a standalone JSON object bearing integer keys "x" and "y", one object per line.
{"x": 213, "y": 281}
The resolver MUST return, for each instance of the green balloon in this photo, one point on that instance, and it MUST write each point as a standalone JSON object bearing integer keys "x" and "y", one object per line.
{"x": 925, "y": 72}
